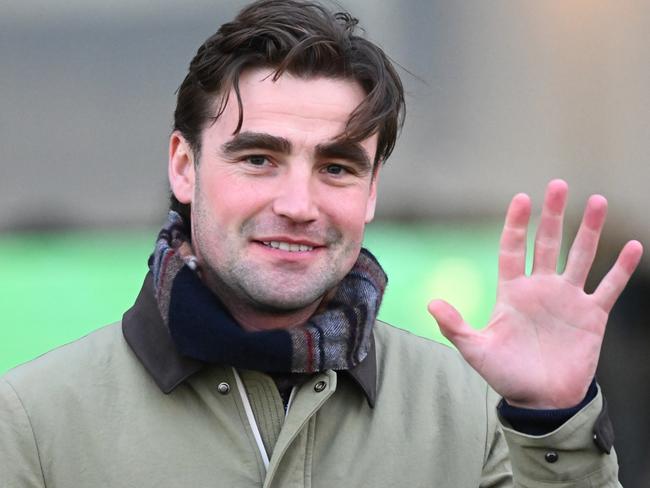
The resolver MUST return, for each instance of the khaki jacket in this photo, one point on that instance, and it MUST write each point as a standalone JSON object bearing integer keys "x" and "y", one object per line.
{"x": 120, "y": 408}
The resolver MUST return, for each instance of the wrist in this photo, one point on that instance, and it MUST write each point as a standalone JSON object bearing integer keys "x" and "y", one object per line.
{"x": 536, "y": 421}
{"x": 545, "y": 402}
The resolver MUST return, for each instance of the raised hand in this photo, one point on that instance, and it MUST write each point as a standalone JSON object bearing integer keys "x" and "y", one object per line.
{"x": 541, "y": 346}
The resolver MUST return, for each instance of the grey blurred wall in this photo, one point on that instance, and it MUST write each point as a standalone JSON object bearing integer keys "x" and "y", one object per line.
{"x": 509, "y": 95}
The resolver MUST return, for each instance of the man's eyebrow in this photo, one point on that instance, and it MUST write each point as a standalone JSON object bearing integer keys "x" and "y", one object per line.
{"x": 346, "y": 150}
{"x": 244, "y": 141}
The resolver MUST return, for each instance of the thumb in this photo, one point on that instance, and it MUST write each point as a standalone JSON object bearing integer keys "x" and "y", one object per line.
{"x": 451, "y": 323}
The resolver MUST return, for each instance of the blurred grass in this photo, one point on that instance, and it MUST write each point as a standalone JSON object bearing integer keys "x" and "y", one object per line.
{"x": 56, "y": 287}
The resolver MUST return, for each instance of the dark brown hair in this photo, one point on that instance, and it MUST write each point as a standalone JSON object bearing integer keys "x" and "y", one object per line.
{"x": 298, "y": 37}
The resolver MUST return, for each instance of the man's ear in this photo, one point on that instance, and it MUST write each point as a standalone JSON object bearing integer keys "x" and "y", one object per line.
{"x": 371, "y": 204}
{"x": 181, "y": 170}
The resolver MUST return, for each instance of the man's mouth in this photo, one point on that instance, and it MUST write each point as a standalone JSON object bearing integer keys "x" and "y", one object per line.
{"x": 288, "y": 246}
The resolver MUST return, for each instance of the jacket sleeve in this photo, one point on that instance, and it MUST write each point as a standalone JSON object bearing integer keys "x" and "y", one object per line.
{"x": 566, "y": 457}
{"x": 20, "y": 465}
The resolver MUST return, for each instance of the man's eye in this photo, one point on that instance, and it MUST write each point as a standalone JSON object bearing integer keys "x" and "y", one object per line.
{"x": 257, "y": 160}
{"x": 335, "y": 169}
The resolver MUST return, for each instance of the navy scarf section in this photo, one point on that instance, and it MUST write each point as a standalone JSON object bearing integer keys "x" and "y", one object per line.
{"x": 202, "y": 328}
{"x": 336, "y": 337}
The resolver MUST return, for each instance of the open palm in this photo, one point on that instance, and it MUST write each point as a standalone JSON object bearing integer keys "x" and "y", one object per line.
{"x": 541, "y": 346}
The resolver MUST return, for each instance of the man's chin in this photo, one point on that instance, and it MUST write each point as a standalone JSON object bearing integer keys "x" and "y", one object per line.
{"x": 283, "y": 305}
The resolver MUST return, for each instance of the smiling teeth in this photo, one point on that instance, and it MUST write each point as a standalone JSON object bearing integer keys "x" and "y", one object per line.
{"x": 286, "y": 246}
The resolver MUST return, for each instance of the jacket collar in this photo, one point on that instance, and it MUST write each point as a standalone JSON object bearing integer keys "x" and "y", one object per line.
{"x": 148, "y": 337}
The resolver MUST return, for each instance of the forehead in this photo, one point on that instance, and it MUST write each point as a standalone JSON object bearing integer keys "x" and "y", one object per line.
{"x": 292, "y": 107}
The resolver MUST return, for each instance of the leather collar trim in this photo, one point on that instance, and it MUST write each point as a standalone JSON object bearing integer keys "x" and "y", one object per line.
{"x": 146, "y": 334}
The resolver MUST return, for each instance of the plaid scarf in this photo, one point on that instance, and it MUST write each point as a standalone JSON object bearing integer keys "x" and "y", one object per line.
{"x": 336, "y": 337}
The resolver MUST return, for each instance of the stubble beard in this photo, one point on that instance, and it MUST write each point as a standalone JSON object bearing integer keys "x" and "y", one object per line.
{"x": 241, "y": 282}
{"x": 269, "y": 292}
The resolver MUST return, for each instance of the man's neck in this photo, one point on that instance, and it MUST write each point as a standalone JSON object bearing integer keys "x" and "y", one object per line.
{"x": 253, "y": 319}
{"x": 259, "y": 320}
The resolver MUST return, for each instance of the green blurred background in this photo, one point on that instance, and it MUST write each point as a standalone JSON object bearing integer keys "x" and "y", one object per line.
{"x": 59, "y": 286}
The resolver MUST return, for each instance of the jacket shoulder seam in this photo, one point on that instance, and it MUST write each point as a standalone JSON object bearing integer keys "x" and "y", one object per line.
{"x": 30, "y": 363}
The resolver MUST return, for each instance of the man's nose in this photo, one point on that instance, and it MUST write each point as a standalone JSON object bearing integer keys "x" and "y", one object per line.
{"x": 296, "y": 198}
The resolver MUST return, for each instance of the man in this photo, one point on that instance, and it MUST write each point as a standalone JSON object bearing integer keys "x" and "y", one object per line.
{"x": 252, "y": 356}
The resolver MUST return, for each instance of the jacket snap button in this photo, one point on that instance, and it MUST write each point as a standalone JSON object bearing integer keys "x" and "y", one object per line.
{"x": 319, "y": 386}
{"x": 223, "y": 388}
{"x": 551, "y": 457}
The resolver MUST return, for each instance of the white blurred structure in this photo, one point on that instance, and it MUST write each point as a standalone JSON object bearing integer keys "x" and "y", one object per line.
{"x": 512, "y": 94}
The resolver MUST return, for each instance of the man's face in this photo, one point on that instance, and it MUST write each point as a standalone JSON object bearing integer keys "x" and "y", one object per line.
{"x": 279, "y": 209}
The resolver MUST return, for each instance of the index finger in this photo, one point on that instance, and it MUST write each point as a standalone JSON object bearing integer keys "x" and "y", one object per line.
{"x": 512, "y": 248}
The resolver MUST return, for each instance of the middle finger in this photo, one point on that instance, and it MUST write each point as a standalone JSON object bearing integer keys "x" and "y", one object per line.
{"x": 549, "y": 233}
